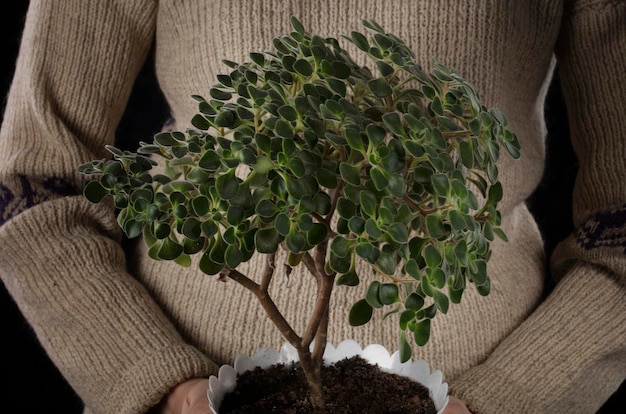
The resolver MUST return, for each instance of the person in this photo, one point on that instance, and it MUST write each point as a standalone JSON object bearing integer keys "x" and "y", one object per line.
{"x": 135, "y": 335}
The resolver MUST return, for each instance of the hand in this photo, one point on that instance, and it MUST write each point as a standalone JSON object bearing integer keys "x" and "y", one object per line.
{"x": 456, "y": 406}
{"x": 189, "y": 397}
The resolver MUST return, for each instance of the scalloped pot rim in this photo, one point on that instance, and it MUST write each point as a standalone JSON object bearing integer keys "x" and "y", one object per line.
{"x": 418, "y": 370}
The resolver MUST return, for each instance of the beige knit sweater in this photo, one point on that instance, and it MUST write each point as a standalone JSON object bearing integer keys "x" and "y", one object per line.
{"x": 124, "y": 333}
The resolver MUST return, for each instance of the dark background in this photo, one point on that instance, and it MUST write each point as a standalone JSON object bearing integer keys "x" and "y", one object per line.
{"x": 33, "y": 384}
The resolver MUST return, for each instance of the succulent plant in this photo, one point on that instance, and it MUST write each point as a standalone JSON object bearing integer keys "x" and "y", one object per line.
{"x": 303, "y": 149}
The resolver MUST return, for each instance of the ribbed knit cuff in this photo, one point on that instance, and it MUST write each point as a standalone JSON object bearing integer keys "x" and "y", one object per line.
{"x": 144, "y": 385}
{"x": 566, "y": 357}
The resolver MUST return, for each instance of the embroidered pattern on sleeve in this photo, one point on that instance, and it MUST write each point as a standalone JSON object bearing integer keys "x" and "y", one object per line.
{"x": 25, "y": 193}
{"x": 606, "y": 229}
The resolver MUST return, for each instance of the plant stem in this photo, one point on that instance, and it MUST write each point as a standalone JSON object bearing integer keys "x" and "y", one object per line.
{"x": 313, "y": 374}
{"x": 316, "y": 330}
{"x": 268, "y": 305}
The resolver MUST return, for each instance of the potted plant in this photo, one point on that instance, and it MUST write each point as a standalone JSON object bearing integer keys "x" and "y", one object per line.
{"x": 302, "y": 149}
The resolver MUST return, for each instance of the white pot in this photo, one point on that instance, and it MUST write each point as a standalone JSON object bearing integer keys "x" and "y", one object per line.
{"x": 417, "y": 370}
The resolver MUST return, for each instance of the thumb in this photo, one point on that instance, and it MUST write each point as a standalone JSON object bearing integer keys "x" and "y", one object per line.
{"x": 196, "y": 400}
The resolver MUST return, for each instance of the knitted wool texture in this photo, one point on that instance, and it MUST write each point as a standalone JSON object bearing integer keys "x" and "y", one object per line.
{"x": 124, "y": 333}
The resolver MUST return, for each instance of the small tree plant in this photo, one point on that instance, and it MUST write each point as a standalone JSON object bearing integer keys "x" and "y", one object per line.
{"x": 302, "y": 149}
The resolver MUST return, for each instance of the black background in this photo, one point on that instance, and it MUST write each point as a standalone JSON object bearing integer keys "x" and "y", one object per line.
{"x": 33, "y": 384}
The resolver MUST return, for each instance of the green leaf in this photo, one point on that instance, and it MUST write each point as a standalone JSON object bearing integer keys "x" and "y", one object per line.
{"x": 356, "y": 224}
{"x": 283, "y": 129}
{"x": 368, "y": 203}
{"x": 192, "y": 228}
{"x": 375, "y": 133}
{"x": 406, "y": 317}
{"x": 182, "y": 186}
{"x": 218, "y": 250}
{"x": 500, "y": 233}
{"x": 282, "y": 224}
{"x": 413, "y": 269}
{"x": 346, "y": 208}
{"x": 298, "y": 27}
{"x": 342, "y": 70}
{"x": 288, "y": 113}
{"x": 339, "y": 264}
{"x": 348, "y": 279}
{"x": 316, "y": 234}
{"x": 393, "y": 122}
{"x": 295, "y": 241}
{"x": 380, "y": 87}
{"x": 440, "y": 184}
{"x": 435, "y": 226}
{"x": 372, "y": 230}
{"x": 484, "y": 289}
{"x": 303, "y": 67}
{"x": 165, "y": 139}
{"x": 220, "y": 94}
{"x": 389, "y": 293}
{"x": 367, "y": 251}
{"x": 414, "y": 148}
{"x": 191, "y": 246}
{"x": 513, "y": 148}
{"x": 457, "y": 221}
{"x": 480, "y": 276}
{"x": 169, "y": 250}
{"x": 414, "y": 302}
{"x": 441, "y": 301}
{"x": 233, "y": 256}
{"x": 235, "y": 215}
{"x": 360, "y": 313}
{"x": 427, "y": 287}
{"x": 438, "y": 278}
{"x": 210, "y": 161}
{"x": 226, "y": 119}
{"x": 405, "y": 349}
{"x": 267, "y": 240}
{"x": 209, "y": 266}
{"x": 460, "y": 251}
{"x": 201, "y": 122}
{"x": 266, "y": 208}
{"x": 386, "y": 263}
{"x": 200, "y": 205}
{"x": 372, "y": 295}
{"x": 455, "y": 295}
{"x": 340, "y": 246}
{"x": 95, "y": 192}
{"x": 432, "y": 256}
{"x": 495, "y": 194}
{"x": 360, "y": 41}
{"x": 378, "y": 178}
{"x": 227, "y": 185}
{"x": 326, "y": 178}
{"x": 162, "y": 230}
{"x": 183, "y": 260}
{"x": 467, "y": 153}
{"x": 384, "y": 68}
{"x": 398, "y": 232}
{"x": 488, "y": 231}
{"x": 353, "y": 137}
{"x": 436, "y": 106}
{"x": 350, "y": 173}
{"x": 133, "y": 228}
{"x": 422, "y": 332}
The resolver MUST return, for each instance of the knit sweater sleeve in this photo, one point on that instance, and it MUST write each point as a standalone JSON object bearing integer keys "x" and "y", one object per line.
{"x": 60, "y": 257}
{"x": 570, "y": 355}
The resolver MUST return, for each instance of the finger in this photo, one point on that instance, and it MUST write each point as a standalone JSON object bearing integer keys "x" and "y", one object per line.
{"x": 456, "y": 406}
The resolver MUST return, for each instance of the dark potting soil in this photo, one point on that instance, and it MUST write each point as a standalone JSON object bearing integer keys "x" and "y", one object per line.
{"x": 350, "y": 386}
